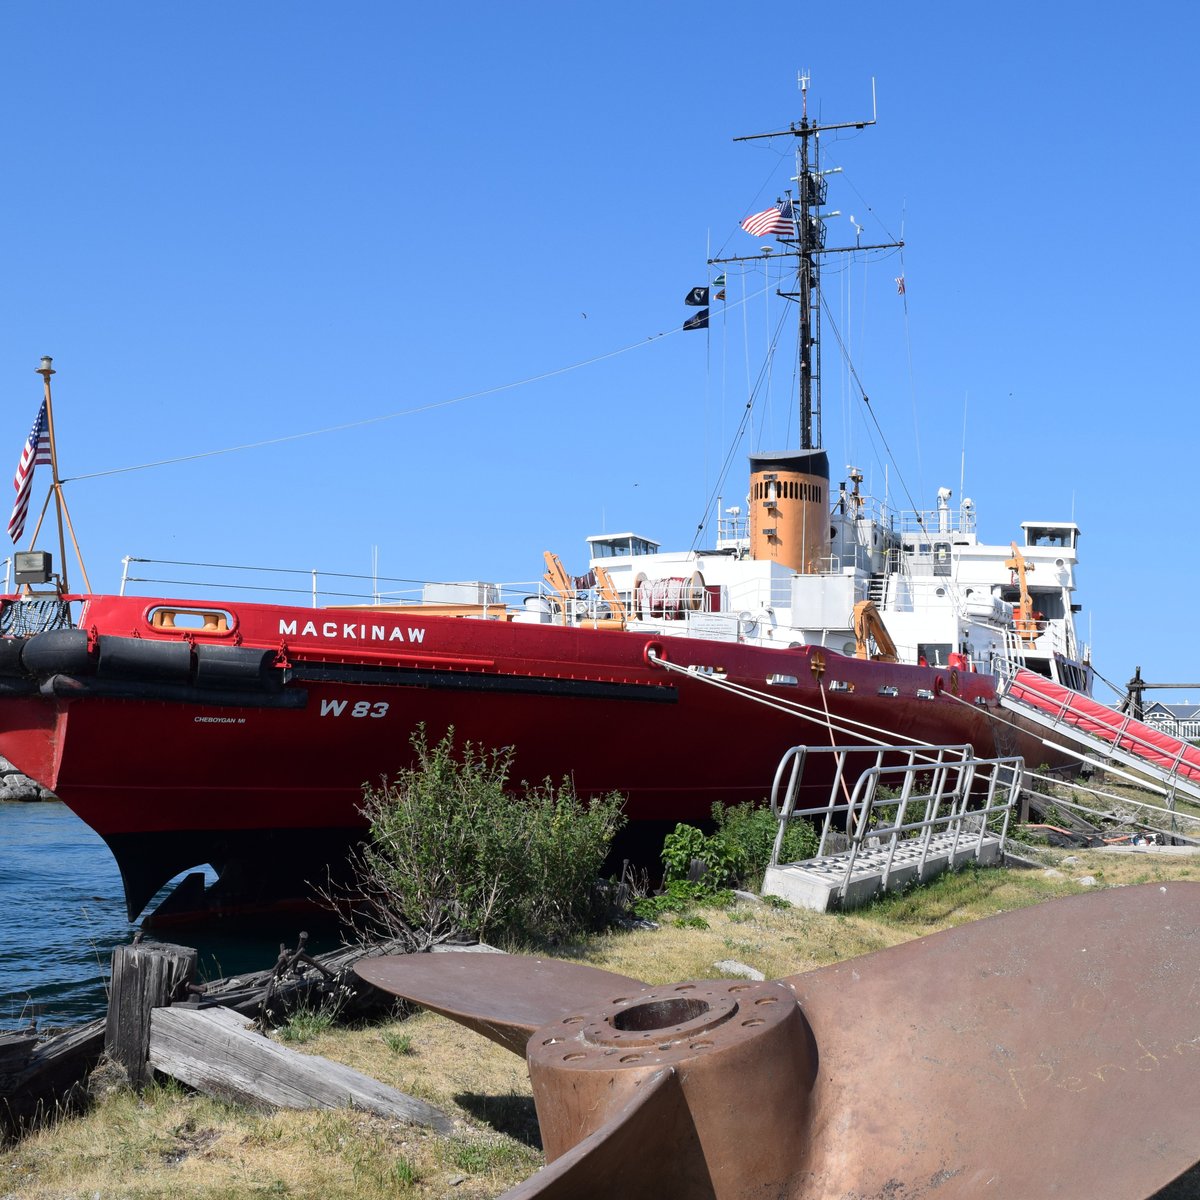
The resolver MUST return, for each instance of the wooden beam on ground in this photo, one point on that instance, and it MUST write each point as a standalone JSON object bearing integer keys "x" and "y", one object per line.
{"x": 216, "y": 1051}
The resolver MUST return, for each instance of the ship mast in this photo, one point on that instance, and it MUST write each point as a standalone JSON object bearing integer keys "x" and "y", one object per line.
{"x": 807, "y": 245}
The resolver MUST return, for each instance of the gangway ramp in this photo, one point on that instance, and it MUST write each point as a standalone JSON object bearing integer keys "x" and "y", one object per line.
{"x": 1105, "y": 731}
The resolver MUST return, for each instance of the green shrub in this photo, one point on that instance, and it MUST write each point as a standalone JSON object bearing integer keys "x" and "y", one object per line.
{"x": 747, "y": 835}
{"x": 454, "y": 850}
{"x": 737, "y": 853}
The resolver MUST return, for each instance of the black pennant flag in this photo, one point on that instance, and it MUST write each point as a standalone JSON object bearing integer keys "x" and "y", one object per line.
{"x": 699, "y": 321}
{"x": 697, "y": 297}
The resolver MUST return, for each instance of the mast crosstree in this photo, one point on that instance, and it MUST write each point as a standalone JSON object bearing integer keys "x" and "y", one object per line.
{"x": 807, "y": 245}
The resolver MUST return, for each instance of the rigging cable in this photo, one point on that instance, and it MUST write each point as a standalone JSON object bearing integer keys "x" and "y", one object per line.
{"x": 854, "y": 728}
{"x": 739, "y": 433}
{"x": 806, "y": 712}
{"x": 867, "y": 402}
{"x": 1107, "y": 767}
{"x": 407, "y": 412}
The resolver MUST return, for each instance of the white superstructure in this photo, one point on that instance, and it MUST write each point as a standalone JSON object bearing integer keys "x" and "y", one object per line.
{"x": 942, "y": 596}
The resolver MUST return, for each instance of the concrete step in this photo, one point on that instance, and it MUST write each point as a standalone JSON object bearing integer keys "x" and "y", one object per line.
{"x": 816, "y": 883}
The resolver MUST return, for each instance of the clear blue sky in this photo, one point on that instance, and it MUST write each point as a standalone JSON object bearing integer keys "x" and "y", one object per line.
{"x": 236, "y": 222}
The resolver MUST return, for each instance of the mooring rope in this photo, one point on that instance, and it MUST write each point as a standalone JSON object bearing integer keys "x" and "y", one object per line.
{"x": 846, "y": 725}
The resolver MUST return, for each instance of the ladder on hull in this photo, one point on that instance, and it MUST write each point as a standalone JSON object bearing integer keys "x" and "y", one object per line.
{"x": 1103, "y": 730}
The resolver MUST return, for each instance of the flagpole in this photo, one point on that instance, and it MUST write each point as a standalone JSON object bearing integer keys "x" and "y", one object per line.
{"x": 41, "y": 517}
{"x": 60, "y": 502}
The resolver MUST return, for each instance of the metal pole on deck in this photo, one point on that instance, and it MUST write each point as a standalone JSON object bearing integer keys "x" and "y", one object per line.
{"x": 60, "y": 503}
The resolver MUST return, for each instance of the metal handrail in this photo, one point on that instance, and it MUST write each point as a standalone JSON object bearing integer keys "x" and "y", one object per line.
{"x": 955, "y": 777}
{"x": 1123, "y": 738}
{"x": 306, "y": 581}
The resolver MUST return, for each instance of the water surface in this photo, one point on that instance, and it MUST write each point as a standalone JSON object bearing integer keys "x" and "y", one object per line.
{"x": 62, "y": 910}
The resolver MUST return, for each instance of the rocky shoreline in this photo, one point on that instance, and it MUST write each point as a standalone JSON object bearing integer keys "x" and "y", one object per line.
{"x": 15, "y": 786}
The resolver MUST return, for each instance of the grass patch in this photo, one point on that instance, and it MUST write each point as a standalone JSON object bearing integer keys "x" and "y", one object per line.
{"x": 305, "y": 1024}
{"x": 397, "y": 1042}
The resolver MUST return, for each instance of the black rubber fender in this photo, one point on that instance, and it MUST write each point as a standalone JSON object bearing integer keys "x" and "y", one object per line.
{"x": 58, "y": 651}
{"x": 10, "y": 657}
{"x": 237, "y": 667}
{"x": 143, "y": 659}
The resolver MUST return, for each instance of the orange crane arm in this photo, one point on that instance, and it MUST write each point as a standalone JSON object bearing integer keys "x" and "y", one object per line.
{"x": 869, "y": 624}
{"x": 1023, "y": 618}
{"x": 616, "y": 606}
{"x": 558, "y": 579}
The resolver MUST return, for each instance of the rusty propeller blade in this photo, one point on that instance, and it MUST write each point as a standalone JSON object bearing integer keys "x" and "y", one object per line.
{"x": 1053, "y": 1051}
{"x": 598, "y": 1167}
{"x": 502, "y": 996}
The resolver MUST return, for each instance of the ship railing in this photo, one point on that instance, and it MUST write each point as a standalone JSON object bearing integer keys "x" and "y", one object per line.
{"x": 321, "y": 588}
{"x": 1048, "y": 637}
{"x": 1123, "y": 731}
{"x": 732, "y": 529}
{"x": 944, "y": 793}
{"x": 932, "y": 524}
{"x": 866, "y": 508}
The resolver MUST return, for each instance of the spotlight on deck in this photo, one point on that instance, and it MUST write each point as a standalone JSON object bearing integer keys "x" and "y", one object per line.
{"x": 33, "y": 566}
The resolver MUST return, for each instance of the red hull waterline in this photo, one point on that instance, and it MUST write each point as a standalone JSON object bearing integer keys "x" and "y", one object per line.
{"x": 247, "y": 745}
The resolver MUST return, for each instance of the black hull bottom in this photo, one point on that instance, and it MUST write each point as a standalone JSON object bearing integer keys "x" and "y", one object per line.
{"x": 255, "y": 868}
{"x": 261, "y": 870}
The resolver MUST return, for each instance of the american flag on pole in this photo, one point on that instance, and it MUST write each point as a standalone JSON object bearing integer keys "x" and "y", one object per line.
{"x": 777, "y": 220}
{"x": 36, "y": 452}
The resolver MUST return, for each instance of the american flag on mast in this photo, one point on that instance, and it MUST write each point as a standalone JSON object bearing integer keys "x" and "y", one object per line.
{"x": 35, "y": 453}
{"x": 778, "y": 220}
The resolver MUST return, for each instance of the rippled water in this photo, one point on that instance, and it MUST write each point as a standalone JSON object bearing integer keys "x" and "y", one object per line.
{"x": 62, "y": 911}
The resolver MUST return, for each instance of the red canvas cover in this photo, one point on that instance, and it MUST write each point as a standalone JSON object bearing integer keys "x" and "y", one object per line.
{"x": 1091, "y": 717}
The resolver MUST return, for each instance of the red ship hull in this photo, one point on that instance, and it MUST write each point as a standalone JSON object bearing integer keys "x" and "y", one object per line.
{"x": 259, "y": 769}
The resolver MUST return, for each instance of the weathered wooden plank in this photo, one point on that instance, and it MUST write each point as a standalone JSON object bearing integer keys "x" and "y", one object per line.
{"x": 144, "y": 977}
{"x": 51, "y": 1078}
{"x": 214, "y": 1051}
